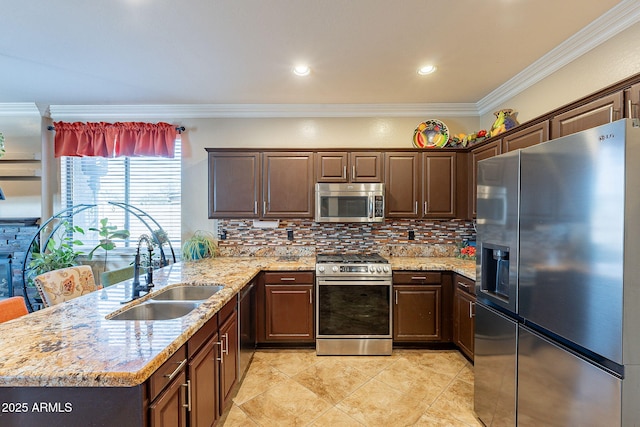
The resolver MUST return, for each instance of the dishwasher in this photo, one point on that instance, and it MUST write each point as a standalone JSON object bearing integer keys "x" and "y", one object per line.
{"x": 247, "y": 326}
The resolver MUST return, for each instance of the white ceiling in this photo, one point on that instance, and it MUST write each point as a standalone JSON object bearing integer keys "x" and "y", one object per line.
{"x": 241, "y": 52}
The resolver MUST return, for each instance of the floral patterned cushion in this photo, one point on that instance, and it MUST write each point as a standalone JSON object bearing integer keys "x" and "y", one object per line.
{"x": 67, "y": 283}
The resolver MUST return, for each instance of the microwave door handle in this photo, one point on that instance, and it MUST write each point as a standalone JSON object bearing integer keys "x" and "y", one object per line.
{"x": 371, "y": 211}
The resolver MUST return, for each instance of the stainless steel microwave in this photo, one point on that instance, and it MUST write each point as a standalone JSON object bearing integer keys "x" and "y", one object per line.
{"x": 349, "y": 202}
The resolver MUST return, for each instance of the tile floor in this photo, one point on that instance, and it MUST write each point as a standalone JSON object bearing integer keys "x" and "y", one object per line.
{"x": 408, "y": 388}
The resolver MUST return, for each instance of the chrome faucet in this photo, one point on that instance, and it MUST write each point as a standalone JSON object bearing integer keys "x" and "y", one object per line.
{"x": 137, "y": 287}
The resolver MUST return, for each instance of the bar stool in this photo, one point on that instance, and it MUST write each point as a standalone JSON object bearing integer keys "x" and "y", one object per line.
{"x": 12, "y": 308}
{"x": 65, "y": 284}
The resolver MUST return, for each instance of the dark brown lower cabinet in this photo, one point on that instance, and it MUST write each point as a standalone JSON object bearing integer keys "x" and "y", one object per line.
{"x": 464, "y": 314}
{"x": 170, "y": 408}
{"x": 229, "y": 353}
{"x": 287, "y": 316}
{"x": 417, "y": 313}
{"x": 169, "y": 392}
{"x": 203, "y": 385}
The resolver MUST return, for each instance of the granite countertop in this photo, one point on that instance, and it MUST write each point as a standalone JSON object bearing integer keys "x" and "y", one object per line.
{"x": 73, "y": 344}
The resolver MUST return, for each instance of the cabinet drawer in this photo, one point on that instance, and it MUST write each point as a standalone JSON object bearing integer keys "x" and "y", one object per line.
{"x": 465, "y": 284}
{"x": 281, "y": 278}
{"x": 416, "y": 277}
{"x": 228, "y": 309}
{"x": 167, "y": 372}
{"x": 202, "y": 336}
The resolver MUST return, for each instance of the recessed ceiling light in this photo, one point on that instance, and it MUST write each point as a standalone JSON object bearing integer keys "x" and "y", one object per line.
{"x": 301, "y": 70}
{"x": 427, "y": 69}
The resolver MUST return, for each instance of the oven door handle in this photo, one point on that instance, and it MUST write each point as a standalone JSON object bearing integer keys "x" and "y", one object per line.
{"x": 343, "y": 282}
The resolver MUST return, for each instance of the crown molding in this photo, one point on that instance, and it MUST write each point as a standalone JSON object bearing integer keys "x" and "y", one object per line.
{"x": 184, "y": 111}
{"x": 611, "y": 23}
{"x": 19, "y": 109}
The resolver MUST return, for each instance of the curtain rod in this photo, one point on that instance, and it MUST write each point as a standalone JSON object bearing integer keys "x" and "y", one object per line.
{"x": 180, "y": 129}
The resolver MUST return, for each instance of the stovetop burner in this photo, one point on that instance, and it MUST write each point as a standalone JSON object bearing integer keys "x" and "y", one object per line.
{"x": 350, "y": 258}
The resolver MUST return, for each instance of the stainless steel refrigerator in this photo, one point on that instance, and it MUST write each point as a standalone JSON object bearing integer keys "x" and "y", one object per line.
{"x": 558, "y": 282}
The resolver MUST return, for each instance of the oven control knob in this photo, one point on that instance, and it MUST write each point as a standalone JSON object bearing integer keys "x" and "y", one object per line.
{"x": 335, "y": 269}
{"x": 385, "y": 269}
{"x": 321, "y": 269}
{"x": 379, "y": 269}
{"x": 372, "y": 269}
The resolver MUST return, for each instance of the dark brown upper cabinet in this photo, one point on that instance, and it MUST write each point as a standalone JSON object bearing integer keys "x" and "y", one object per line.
{"x": 599, "y": 112}
{"x": 260, "y": 185}
{"x": 235, "y": 184}
{"x": 439, "y": 185}
{"x": 344, "y": 166}
{"x": 420, "y": 185}
{"x": 288, "y": 185}
{"x": 527, "y": 137}
{"x": 477, "y": 154}
{"x": 402, "y": 184}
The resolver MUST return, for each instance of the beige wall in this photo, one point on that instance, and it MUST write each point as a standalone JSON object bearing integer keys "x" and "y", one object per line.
{"x": 611, "y": 62}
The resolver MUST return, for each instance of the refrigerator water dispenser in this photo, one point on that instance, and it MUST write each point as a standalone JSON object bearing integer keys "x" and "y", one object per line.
{"x": 495, "y": 271}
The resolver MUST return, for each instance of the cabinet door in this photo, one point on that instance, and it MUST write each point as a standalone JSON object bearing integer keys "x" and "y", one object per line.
{"x": 234, "y": 184}
{"x": 477, "y": 154}
{"x": 289, "y": 313}
{"x": 288, "y": 185}
{"x": 203, "y": 384}
{"x": 632, "y": 102}
{"x": 228, "y": 336}
{"x": 526, "y": 137}
{"x": 416, "y": 314}
{"x": 332, "y": 166}
{"x": 464, "y": 326}
{"x": 402, "y": 184}
{"x": 365, "y": 166}
{"x": 170, "y": 408}
{"x": 599, "y": 112}
{"x": 439, "y": 185}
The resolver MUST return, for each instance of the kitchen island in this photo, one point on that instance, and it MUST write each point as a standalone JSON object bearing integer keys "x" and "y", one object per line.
{"x": 74, "y": 345}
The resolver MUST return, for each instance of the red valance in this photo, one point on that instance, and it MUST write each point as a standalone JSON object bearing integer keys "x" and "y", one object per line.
{"x": 114, "y": 139}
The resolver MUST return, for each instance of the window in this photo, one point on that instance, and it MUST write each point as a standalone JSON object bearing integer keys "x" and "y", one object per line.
{"x": 151, "y": 184}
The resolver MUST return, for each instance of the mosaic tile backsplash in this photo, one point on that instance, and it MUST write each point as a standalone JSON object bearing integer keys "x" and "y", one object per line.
{"x": 391, "y": 238}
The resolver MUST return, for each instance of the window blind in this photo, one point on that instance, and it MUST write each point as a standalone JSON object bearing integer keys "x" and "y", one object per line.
{"x": 152, "y": 184}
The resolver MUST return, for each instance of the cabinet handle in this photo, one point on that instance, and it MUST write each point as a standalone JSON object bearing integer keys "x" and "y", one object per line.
{"x": 264, "y": 207}
{"x": 310, "y": 298}
{"x": 187, "y": 395}
{"x": 631, "y": 108}
{"x": 225, "y": 350}
{"x": 287, "y": 279}
{"x": 471, "y": 311}
{"x": 220, "y": 359}
{"x": 613, "y": 113}
{"x": 419, "y": 278}
{"x": 255, "y": 207}
{"x": 425, "y": 208}
{"x": 177, "y": 371}
{"x": 353, "y": 172}
{"x": 344, "y": 172}
{"x": 396, "y": 297}
{"x": 415, "y": 210}
{"x": 464, "y": 285}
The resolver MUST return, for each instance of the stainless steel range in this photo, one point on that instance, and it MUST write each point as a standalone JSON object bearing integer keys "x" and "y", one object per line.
{"x": 353, "y": 310}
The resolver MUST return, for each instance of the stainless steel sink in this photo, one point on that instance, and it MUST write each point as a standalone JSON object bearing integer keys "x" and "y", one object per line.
{"x": 188, "y": 293}
{"x": 157, "y": 310}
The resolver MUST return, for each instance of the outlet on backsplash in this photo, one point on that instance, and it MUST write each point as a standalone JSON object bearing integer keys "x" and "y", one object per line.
{"x": 412, "y": 235}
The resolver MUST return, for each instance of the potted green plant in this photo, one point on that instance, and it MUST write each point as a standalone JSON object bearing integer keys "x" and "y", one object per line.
{"x": 107, "y": 233}
{"x": 57, "y": 254}
{"x": 201, "y": 245}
